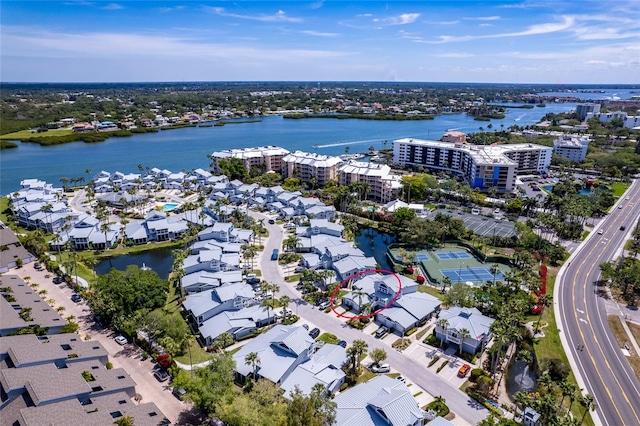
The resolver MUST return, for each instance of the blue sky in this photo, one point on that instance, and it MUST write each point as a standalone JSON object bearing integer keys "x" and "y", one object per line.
{"x": 551, "y": 41}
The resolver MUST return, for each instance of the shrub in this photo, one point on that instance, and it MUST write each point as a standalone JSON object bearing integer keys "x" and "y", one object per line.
{"x": 410, "y": 332}
{"x": 109, "y": 365}
{"x": 434, "y": 360}
{"x": 420, "y": 279}
{"x": 344, "y": 386}
{"x": 475, "y": 374}
{"x": 439, "y": 407}
{"x": 444, "y": 364}
{"x": 432, "y": 340}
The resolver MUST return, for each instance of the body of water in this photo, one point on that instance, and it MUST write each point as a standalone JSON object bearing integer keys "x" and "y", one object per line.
{"x": 374, "y": 244}
{"x": 159, "y": 260}
{"x": 520, "y": 377}
{"x": 596, "y": 94}
{"x": 187, "y": 148}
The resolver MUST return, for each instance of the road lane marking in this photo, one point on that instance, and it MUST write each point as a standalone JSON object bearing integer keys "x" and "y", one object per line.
{"x": 580, "y": 310}
{"x": 595, "y": 337}
{"x": 584, "y": 320}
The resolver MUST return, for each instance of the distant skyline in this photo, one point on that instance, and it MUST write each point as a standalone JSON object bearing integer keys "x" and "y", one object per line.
{"x": 554, "y": 41}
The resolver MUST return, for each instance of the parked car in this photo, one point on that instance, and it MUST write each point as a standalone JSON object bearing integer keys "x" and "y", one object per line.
{"x": 381, "y": 332}
{"x": 38, "y": 266}
{"x": 462, "y": 372}
{"x": 179, "y": 393}
{"x": 342, "y": 343}
{"x": 57, "y": 280}
{"x": 271, "y": 221}
{"x": 120, "y": 339}
{"x": 299, "y": 269}
{"x": 380, "y": 368}
{"x": 161, "y": 375}
{"x": 76, "y": 298}
{"x": 314, "y": 333}
{"x": 401, "y": 379}
{"x": 324, "y": 305}
{"x": 305, "y": 326}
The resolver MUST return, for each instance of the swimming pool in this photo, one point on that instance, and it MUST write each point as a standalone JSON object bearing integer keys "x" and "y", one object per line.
{"x": 169, "y": 206}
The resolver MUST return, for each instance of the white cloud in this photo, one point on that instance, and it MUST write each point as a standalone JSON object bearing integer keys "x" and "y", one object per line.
{"x": 320, "y": 34}
{"x": 113, "y": 6}
{"x": 483, "y": 18}
{"x": 36, "y": 42}
{"x": 403, "y": 19}
{"x": 487, "y": 25}
{"x": 171, "y": 9}
{"x": 546, "y": 28}
{"x": 279, "y": 16}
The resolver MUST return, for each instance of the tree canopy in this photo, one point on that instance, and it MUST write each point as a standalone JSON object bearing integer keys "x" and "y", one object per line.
{"x": 118, "y": 295}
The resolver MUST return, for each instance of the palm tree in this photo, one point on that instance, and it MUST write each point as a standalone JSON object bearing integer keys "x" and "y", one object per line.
{"x": 291, "y": 242}
{"x": 521, "y": 399}
{"x": 588, "y": 402}
{"x": 463, "y": 333}
{"x": 360, "y": 293}
{"x": 567, "y": 388}
{"x": 253, "y": 360}
{"x": 357, "y": 348}
{"x": 444, "y": 324}
{"x": 446, "y": 282}
{"x": 284, "y": 302}
{"x": 495, "y": 270}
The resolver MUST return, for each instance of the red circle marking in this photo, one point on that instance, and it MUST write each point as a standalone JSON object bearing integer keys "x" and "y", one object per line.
{"x": 355, "y": 317}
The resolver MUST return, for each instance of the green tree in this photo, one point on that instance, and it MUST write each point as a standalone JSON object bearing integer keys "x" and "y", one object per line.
{"x": 378, "y": 355}
{"x": 209, "y": 385}
{"x": 253, "y": 360}
{"x": 357, "y": 348}
{"x": 117, "y": 295}
{"x": 310, "y": 410}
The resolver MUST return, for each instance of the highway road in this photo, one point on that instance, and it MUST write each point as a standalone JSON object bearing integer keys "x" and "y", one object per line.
{"x": 459, "y": 402}
{"x": 600, "y": 368}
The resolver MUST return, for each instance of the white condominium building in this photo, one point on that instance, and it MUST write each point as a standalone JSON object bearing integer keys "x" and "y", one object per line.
{"x": 267, "y": 157}
{"x": 572, "y": 147}
{"x": 481, "y": 166}
{"x": 383, "y": 186}
{"x": 306, "y": 167}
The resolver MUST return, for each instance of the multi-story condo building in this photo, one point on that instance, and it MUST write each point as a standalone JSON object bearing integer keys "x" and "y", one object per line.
{"x": 307, "y": 167}
{"x": 454, "y": 137}
{"x": 481, "y": 166}
{"x": 628, "y": 121}
{"x": 572, "y": 147}
{"x": 383, "y": 186}
{"x": 269, "y": 158}
{"x": 583, "y": 109}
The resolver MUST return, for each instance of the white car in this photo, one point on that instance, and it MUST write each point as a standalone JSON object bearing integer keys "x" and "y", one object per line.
{"x": 380, "y": 368}
{"x": 600, "y": 231}
{"x": 120, "y": 339}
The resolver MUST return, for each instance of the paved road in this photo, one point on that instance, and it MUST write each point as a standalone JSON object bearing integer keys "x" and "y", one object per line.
{"x": 415, "y": 372}
{"x": 601, "y": 367}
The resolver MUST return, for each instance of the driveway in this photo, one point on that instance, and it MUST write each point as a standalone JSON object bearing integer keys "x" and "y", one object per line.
{"x": 465, "y": 407}
{"x": 127, "y": 356}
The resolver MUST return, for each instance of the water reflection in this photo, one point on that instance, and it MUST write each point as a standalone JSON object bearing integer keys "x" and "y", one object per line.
{"x": 158, "y": 260}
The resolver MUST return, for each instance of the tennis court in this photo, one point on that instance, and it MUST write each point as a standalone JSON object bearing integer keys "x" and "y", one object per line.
{"x": 454, "y": 255}
{"x": 470, "y": 274}
{"x": 422, "y": 256}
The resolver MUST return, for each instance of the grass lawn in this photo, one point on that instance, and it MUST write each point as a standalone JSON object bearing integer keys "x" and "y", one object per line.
{"x": 366, "y": 376}
{"x": 621, "y": 337}
{"x": 431, "y": 290}
{"x": 328, "y": 338}
{"x": 24, "y": 134}
{"x": 4, "y": 209}
{"x": 618, "y": 188}
{"x": 198, "y": 354}
{"x": 550, "y": 347}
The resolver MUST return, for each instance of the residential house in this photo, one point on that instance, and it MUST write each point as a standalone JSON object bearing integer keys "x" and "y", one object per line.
{"x": 202, "y": 280}
{"x": 381, "y": 401}
{"x": 209, "y": 303}
{"x": 284, "y": 350}
{"x": 470, "y": 319}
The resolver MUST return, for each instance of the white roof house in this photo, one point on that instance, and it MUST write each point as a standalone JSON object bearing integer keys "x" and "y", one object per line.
{"x": 382, "y": 401}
